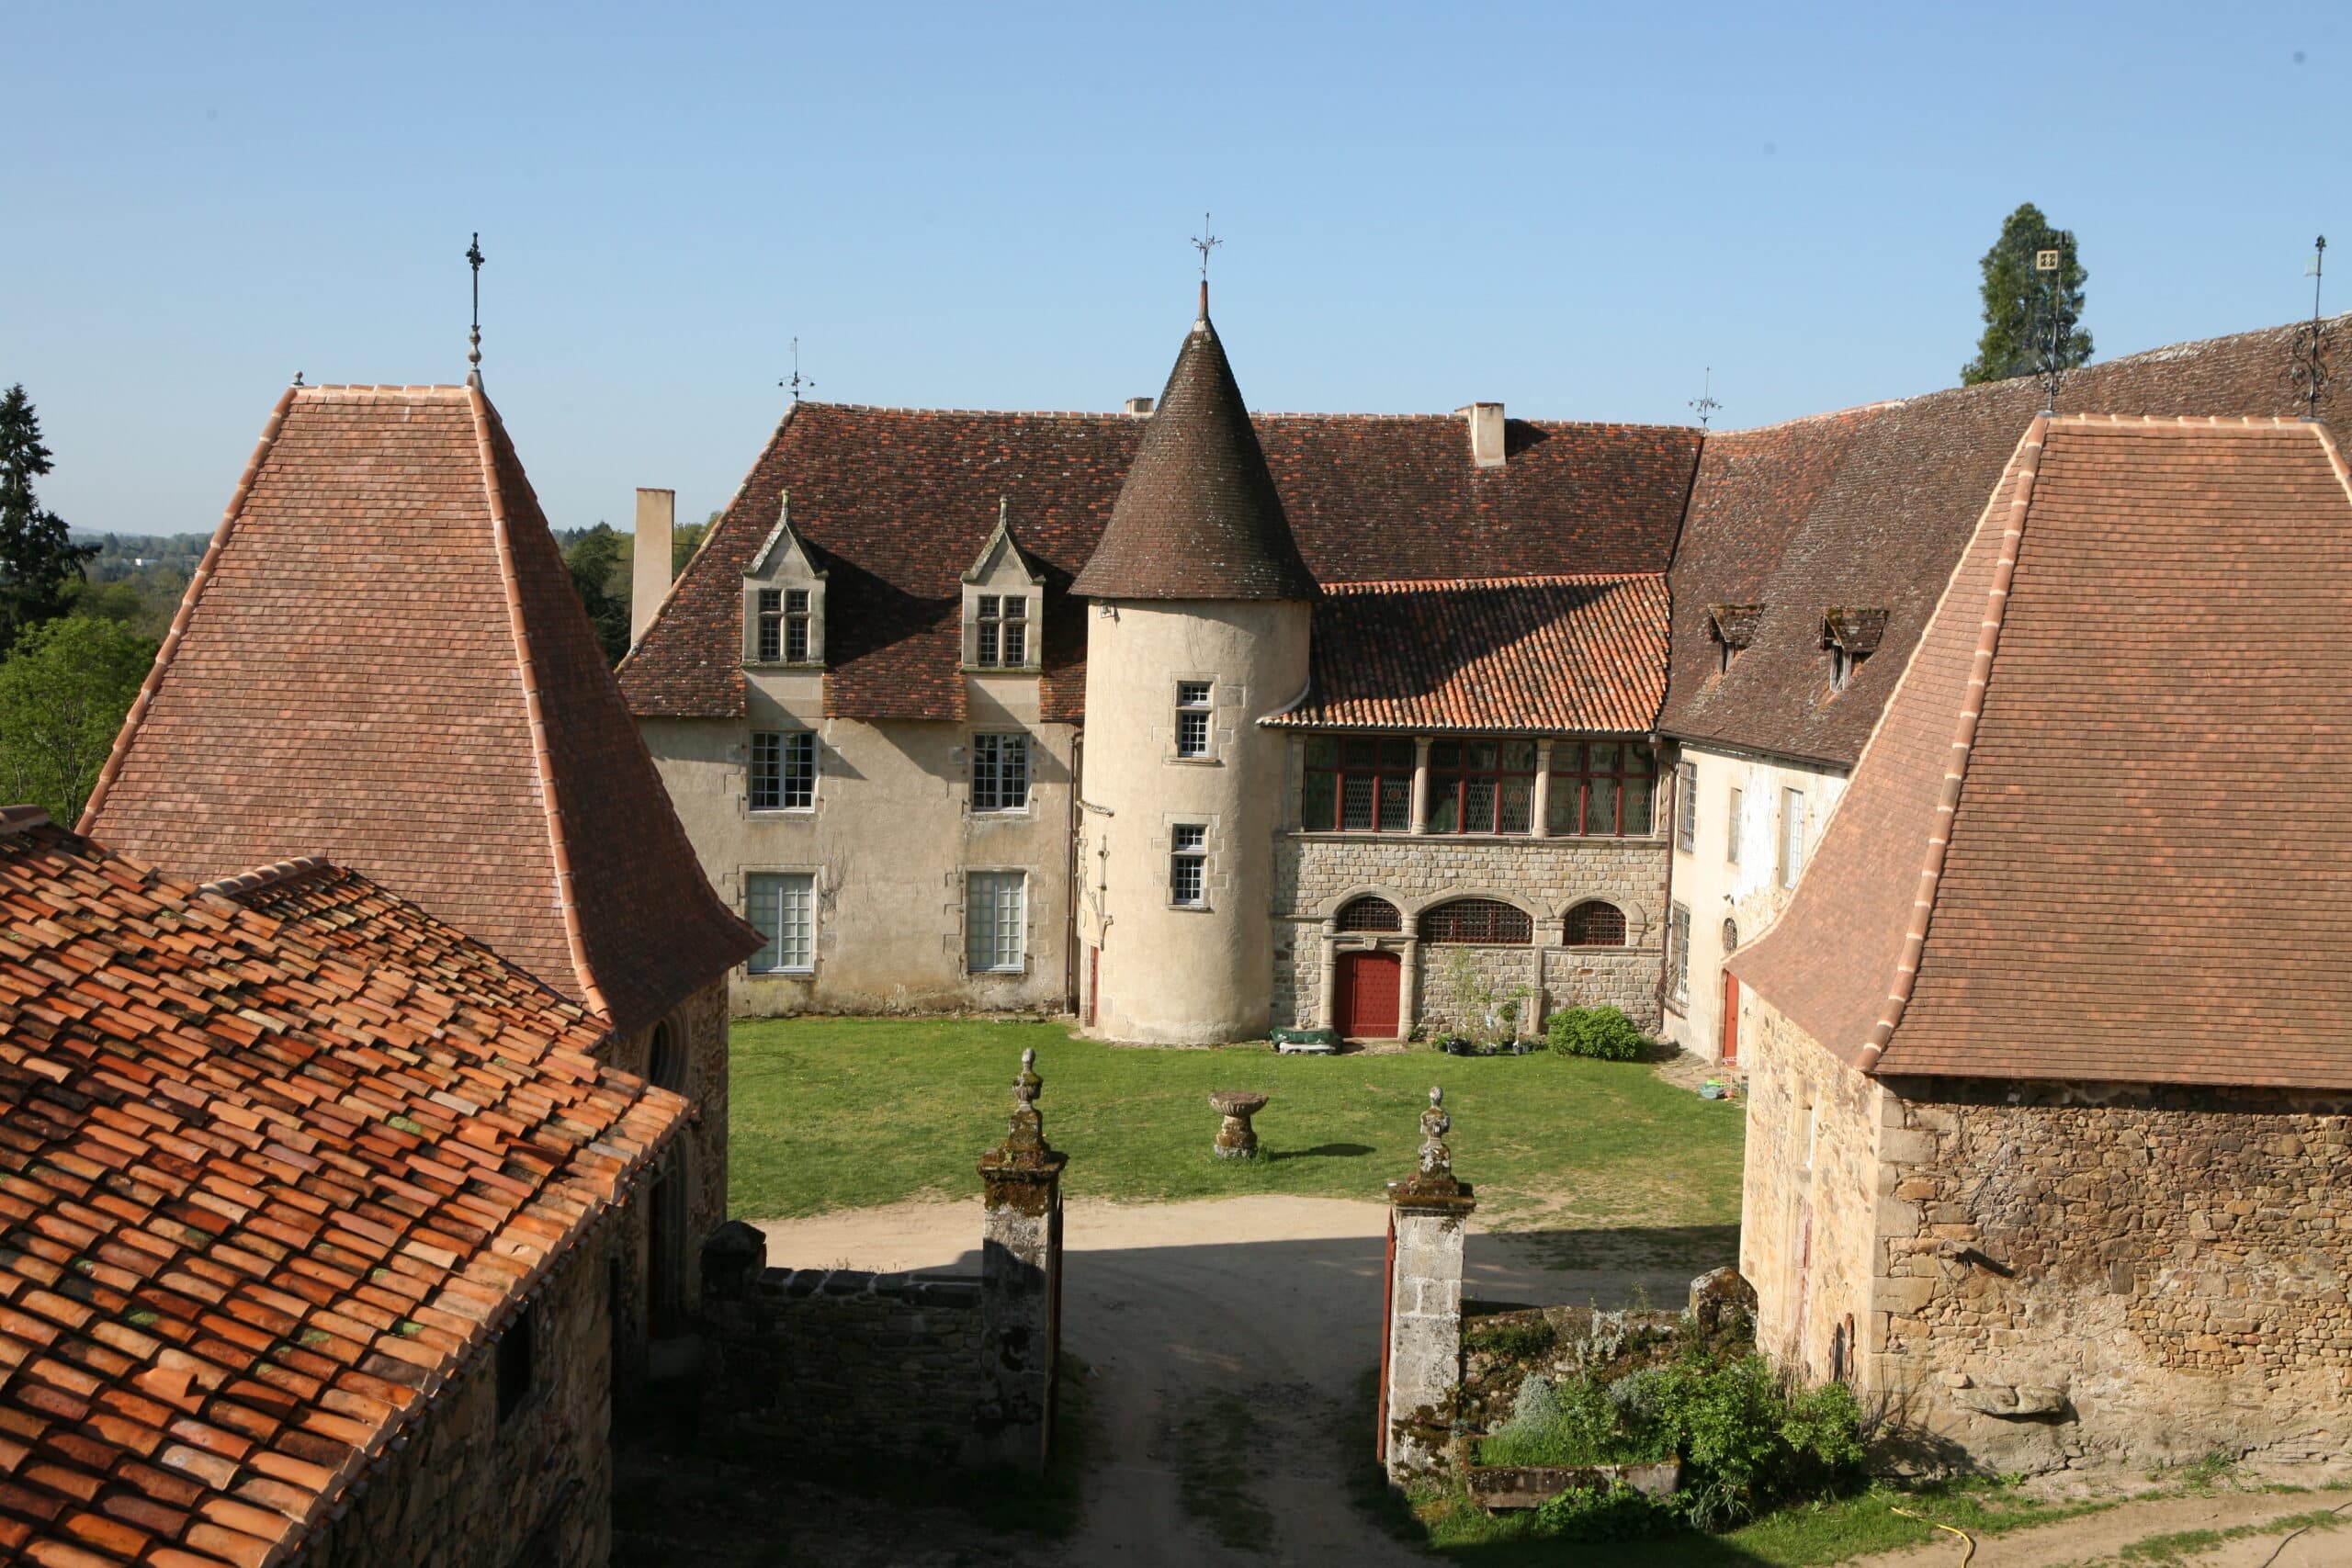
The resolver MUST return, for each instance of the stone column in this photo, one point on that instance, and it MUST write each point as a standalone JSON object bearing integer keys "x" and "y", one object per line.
{"x": 1421, "y": 783}
{"x": 1421, "y": 1362}
{"x": 1021, "y": 1282}
{"x": 1539, "y": 825}
{"x": 1326, "y": 1004}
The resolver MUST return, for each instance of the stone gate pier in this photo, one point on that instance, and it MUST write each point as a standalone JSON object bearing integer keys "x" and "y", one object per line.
{"x": 1420, "y": 1363}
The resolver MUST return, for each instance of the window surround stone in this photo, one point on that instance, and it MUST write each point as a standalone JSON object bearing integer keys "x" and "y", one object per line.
{"x": 783, "y": 563}
{"x": 1004, "y": 570}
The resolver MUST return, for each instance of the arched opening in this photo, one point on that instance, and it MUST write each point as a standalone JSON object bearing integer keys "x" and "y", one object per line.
{"x": 665, "y": 1246}
{"x": 1486, "y": 921}
{"x": 1596, "y": 923}
{"x": 665, "y": 1063}
{"x": 1368, "y": 914}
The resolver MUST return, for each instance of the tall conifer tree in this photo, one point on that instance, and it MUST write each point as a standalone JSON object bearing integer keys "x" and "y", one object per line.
{"x": 38, "y": 560}
{"x": 2016, "y": 300}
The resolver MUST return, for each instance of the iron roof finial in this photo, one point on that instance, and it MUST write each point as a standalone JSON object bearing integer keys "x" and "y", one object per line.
{"x": 795, "y": 381}
{"x": 1704, "y": 405}
{"x": 2310, "y": 371}
{"x": 1204, "y": 242}
{"x": 474, "y": 258}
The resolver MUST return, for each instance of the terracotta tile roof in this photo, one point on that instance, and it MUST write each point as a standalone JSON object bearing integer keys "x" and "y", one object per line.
{"x": 1870, "y": 508}
{"x": 2103, "y": 868}
{"x": 1547, "y": 654}
{"x": 264, "y": 1189}
{"x": 382, "y": 660}
{"x": 1198, "y": 516}
{"x": 899, "y": 501}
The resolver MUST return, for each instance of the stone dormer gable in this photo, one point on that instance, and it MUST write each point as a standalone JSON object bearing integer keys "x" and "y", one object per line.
{"x": 784, "y": 600}
{"x": 1004, "y": 603}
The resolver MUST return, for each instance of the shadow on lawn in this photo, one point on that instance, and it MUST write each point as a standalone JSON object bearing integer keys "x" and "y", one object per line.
{"x": 1322, "y": 1151}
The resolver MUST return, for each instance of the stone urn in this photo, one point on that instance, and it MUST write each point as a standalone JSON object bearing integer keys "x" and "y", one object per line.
{"x": 1236, "y": 1139}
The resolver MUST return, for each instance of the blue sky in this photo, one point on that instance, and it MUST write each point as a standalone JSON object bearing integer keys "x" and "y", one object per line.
{"x": 1572, "y": 210}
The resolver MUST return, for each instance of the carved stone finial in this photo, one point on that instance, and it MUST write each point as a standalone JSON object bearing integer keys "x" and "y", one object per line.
{"x": 1436, "y": 1161}
{"x": 1025, "y": 1132}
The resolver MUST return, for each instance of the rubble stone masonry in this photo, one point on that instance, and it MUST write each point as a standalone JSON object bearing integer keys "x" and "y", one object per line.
{"x": 2051, "y": 1275}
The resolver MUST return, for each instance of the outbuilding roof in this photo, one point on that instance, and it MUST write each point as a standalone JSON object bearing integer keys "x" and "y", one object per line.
{"x": 382, "y": 660}
{"x": 1533, "y": 654}
{"x": 266, "y": 1185}
{"x": 1871, "y": 507}
{"x": 2074, "y": 849}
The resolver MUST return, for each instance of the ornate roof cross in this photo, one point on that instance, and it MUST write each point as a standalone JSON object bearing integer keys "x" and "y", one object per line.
{"x": 795, "y": 381}
{"x": 474, "y": 258}
{"x": 1704, "y": 405}
{"x": 1205, "y": 242}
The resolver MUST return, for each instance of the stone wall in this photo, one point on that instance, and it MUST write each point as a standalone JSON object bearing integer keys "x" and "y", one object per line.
{"x": 1315, "y": 874}
{"x": 2051, "y": 1275}
{"x": 845, "y": 1363}
{"x": 471, "y": 1490}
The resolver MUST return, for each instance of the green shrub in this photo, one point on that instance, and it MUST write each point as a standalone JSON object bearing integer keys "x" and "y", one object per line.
{"x": 1511, "y": 1341}
{"x": 1566, "y": 1423}
{"x": 1617, "y": 1513}
{"x": 1604, "y": 1032}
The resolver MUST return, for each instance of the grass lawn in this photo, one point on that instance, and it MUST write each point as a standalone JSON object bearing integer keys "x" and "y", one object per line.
{"x": 830, "y": 1113}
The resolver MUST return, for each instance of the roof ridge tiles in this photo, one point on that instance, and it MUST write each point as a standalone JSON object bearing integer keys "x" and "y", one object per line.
{"x": 271, "y": 875}
{"x": 1515, "y": 580}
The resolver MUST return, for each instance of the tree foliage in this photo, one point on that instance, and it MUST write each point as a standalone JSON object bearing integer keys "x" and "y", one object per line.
{"x": 38, "y": 560}
{"x": 598, "y": 559}
{"x": 63, "y": 692}
{"x": 2020, "y": 300}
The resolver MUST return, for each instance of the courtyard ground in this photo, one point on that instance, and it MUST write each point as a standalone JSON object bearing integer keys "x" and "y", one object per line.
{"x": 1228, "y": 1314}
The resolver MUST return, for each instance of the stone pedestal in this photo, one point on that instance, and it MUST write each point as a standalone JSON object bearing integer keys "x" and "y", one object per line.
{"x": 1021, "y": 1274}
{"x": 1422, "y": 1360}
{"x": 1236, "y": 1139}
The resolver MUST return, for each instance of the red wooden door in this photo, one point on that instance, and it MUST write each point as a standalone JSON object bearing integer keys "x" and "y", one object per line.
{"x": 1731, "y": 1018}
{"x": 1368, "y": 995}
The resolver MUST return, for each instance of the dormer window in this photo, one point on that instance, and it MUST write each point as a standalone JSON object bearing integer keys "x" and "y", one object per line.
{"x": 784, "y": 601}
{"x": 1851, "y": 636}
{"x": 1001, "y": 632}
{"x": 1734, "y": 629}
{"x": 1003, "y": 593}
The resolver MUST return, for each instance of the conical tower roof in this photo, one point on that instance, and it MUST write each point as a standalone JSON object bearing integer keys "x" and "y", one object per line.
{"x": 1198, "y": 516}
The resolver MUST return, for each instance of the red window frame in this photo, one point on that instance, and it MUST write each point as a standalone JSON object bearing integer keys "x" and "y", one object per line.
{"x": 1377, "y": 769}
{"x": 1482, "y": 786}
{"x": 1592, "y": 782}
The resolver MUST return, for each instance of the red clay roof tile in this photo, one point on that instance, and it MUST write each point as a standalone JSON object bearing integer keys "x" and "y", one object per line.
{"x": 113, "y": 1439}
{"x": 381, "y": 658}
{"x": 2094, "y": 871}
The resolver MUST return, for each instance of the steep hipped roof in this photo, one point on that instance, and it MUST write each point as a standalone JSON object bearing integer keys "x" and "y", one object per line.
{"x": 264, "y": 1191}
{"x": 1198, "y": 516}
{"x": 2065, "y": 854}
{"x": 1871, "y": 507}
{"x": 1535, "y": 654}
{"x": 897, "y": 502}
{"x": 382, "y": 660}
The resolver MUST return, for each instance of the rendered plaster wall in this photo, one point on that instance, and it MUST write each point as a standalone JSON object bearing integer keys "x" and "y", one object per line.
{"x": 1748, "y": 891}
{"x": 1316, "y": 874}
{"x": 841, "y": 1362}
{"x": 2051, "y": 1275}
{"x": 469, "y": 1490}
{"x": 889, "y": 930}
{"x": 1172, "y": 974}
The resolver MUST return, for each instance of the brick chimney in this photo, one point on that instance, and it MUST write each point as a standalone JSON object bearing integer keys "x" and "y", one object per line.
{"x": 1138, "y": 405}
{"x": 1485, "y": 421}
{"x": 648, "y": 580}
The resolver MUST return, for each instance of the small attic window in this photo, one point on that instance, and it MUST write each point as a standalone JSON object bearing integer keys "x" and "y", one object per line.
{"x": 1001, "y": 632}
{"x": 1734, "y": 629}
{"x": 784, "y": 601}
{"x": 1851, "y": 636}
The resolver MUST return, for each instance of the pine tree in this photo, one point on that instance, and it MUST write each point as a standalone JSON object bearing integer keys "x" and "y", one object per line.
{"x": 2018, "y": 301}
{"x": 38, "y": 559}
{"x": 600, "y": 576}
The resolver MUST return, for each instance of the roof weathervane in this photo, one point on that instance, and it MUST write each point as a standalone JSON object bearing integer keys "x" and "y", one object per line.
{"x": 1704, "y": 405}
{"x": 1204, "y": 242}
{"x": 474, "y": 258}
{"x": 2309, "y": 371}
{"x": 2054, "y": 317}
{"x": 795, "y": 381}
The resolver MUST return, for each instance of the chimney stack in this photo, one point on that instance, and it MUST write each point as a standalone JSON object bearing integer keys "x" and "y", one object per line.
{"x": 1485, "y": 421}
{"x": 649, "y": 580}
{"x": 1138, "y": 405}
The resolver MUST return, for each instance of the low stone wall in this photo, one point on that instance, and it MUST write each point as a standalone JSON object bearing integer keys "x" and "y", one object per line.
{"x": 839, "y": 1362}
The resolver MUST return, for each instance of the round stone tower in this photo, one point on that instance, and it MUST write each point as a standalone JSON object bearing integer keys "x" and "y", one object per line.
{"x": 1197, "y": 629}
